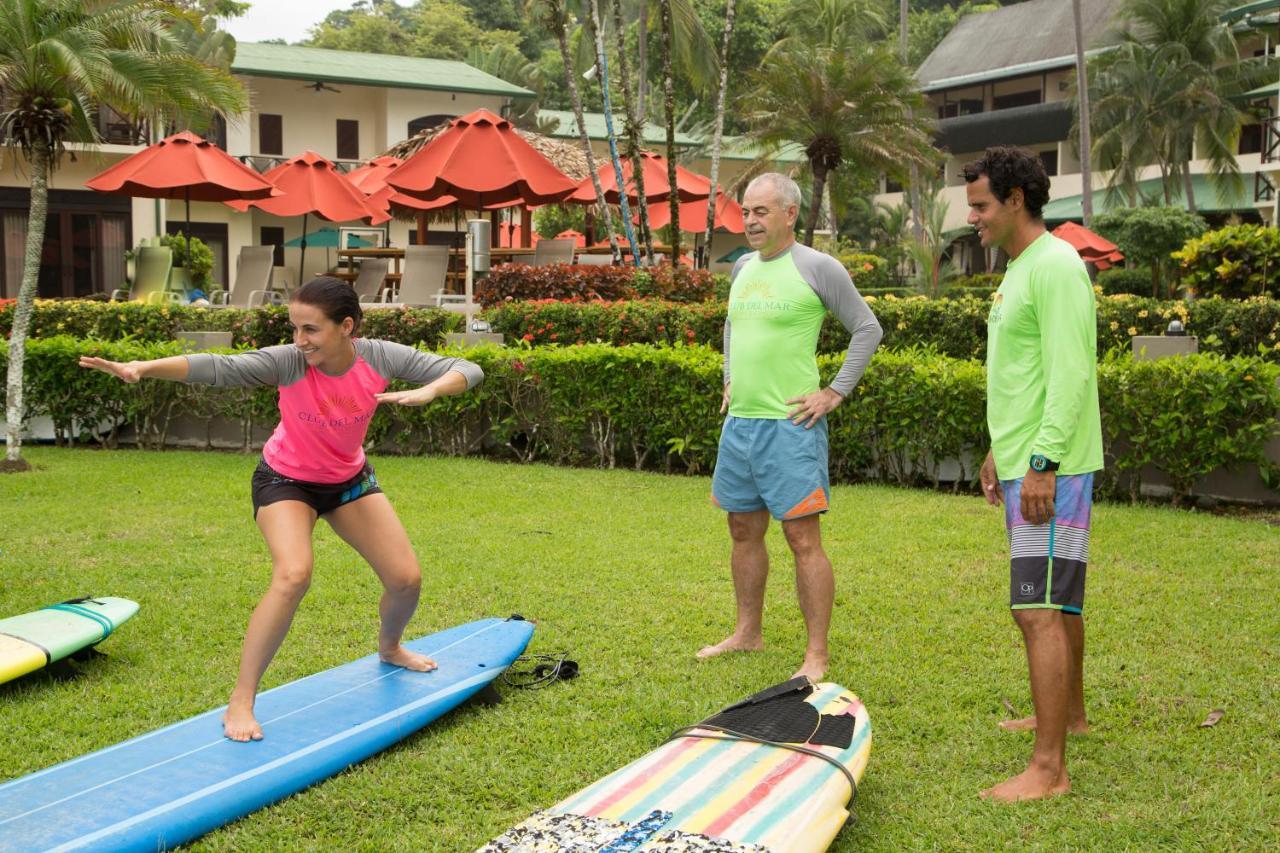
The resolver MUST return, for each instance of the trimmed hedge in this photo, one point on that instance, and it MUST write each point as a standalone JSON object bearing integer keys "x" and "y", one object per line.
{"x": 658, "y": 408}
{"x": 251, "y": 327}
{"x": 517, "y": 282}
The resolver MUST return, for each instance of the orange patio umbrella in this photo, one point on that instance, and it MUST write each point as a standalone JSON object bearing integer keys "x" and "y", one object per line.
{"x": 690, "y": 186}
{"x": 1092, "y": 247}
{"x": 313, "y": 187}
{"x": 482, "y": 163}
{"x": 183, "y": 166}
{"x": 693, "y": 215}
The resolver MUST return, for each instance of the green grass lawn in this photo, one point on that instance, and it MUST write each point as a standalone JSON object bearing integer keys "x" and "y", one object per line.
{"x": 629, "y": 573}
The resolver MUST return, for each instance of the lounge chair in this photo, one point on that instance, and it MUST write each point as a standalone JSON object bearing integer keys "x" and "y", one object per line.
{"x": 553, "y": 252}
{"x": 252, "y": 286}
{"x": 426, "y": 271}
{"x": 594, "y": 260}
{"x": 150, "y": 277}
{"x": 369, "y": 285}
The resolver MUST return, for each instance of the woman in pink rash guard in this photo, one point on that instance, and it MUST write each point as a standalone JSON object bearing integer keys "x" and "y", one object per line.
{"x": 314, "y": 466}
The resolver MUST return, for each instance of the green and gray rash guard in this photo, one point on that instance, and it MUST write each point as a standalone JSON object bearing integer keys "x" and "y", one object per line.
{"x": 776, "y": 309}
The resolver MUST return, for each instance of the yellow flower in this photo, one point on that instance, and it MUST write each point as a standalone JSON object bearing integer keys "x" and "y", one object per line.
{"x": 1248, "y": 377}
{"x": 902, "y": 325}
{"x": 1142, "y": 313}
{"x": 1114, "y": 325}
{"x": 1132, "y": 331}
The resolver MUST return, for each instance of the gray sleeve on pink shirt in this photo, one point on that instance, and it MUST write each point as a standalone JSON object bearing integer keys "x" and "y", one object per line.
{"x": 409, "y": 364}
{"x": 279, "y": 365}
{"x": 830, "y": 280}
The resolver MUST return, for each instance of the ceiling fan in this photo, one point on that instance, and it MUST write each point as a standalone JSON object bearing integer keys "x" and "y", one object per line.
{"x": 320, "y": 86}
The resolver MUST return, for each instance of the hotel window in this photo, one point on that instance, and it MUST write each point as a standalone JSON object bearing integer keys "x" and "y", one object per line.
{"x": 273, "y": 235}
{"x": 348, "y": 139}
{"x": 1050, "y": 161}
{"x": 1017, "y": 99}
{"x": 270, "y": 134}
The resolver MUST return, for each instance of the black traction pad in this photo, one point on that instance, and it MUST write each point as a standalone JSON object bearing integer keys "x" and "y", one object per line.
{"x": 781, "y": 714}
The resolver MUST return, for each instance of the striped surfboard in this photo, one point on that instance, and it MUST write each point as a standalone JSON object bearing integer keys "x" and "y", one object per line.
{"x": 35, "y": 640}
{"x": 702, "y": 793}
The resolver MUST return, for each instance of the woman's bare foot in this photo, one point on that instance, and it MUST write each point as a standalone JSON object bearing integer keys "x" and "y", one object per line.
{"x": 732, "y": 644}
{"x": 1031, "y": 784}
{"x": 814, "y": 666}
{"x": 400, "y": 656}
{"x": 239, "y": 724}
{"x": 1028, "y": 724}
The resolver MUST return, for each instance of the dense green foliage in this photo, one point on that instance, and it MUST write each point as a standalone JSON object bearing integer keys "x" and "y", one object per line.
{"x": 1235, "y": 261}
{"x": 657, "y": 408}
{"x": 1148, "y": 236}
{"x": 517, "y": 282}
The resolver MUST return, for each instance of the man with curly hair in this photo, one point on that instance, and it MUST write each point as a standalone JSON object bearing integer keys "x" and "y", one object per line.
{"x": 1046, "y": 444}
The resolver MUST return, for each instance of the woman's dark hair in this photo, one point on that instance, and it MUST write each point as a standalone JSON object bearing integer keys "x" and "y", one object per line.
{"x": 1008, "y": 168}
{"x": 334, "y": 297}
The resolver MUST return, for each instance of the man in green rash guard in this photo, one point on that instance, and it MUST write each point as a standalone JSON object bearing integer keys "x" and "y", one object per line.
{"x": 773, "y": 448}
{"x": 1046, "y": 444}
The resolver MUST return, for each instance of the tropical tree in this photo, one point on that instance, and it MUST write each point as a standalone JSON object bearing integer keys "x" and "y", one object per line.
{"x": 634, "y": 123}
{"x": 669, "y": 112}
{"x": 929, "y": 251}
{"x": 718, "y": 136}
{"x": 59, "y": 61}
{"x": 842, "y": 105}
{"x": 1082, "y": 107}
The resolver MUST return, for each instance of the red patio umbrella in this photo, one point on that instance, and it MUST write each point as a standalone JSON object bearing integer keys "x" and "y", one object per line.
{"x": 1092, "y": 247}
{"x": 689, "y": 185}
{"x": 183, "y": 166}
{"x": 313, "y": 187}
{"x": 483, "y": 163}
{"x": 579, "y": 239}
{"x": 693, "y": 215}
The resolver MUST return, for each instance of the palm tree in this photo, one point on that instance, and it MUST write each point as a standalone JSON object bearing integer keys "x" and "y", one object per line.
{"x": 719, "y": 131}
{"x": 842, "y": 105}
{"x": 913, "y": 186}
{"x": 1082, "y": 105}
{"x": 669, "y": 111}
{"x": 59, "y": 61}
{"x": 633, "y": 129}
{"x": 552, "y": 13}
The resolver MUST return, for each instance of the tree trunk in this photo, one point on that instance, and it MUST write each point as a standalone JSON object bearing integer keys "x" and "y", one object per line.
{"x": 669, "y": 107}
{"x": 595, "y": 29}
{"x": 40, "y": 162}
{"x": 632, "y": 152}
{"x": 719, "y": 134}
{"x": 1188, "y": 186}
{"x": 913, "y": 189}
{"x": 642, "y": 60}
{"x": 1086, "y": 141}
{"x": 815, "y": 201}
{"x": 561, "y": 23}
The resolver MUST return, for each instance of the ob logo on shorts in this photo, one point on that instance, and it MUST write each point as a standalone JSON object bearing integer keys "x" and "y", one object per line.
{"x": 1027, "y": 589}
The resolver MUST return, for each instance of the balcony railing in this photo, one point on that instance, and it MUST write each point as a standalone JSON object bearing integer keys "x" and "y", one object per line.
{"x": 1271, "y": 139}
{"x": 1264, "y": 189}
{"x": 267, "y": 162}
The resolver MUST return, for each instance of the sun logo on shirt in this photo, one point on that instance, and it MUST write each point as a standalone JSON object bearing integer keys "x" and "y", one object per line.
{"x": 338, "y": 405}
{"x": 756, "y": 290}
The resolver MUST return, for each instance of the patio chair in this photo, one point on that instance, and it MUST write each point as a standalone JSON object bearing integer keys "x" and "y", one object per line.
{"x": 369, "y": 285}
{"x": 150, "y": 277}
{"x": 282, "y": 280}
{"x": 426, "y": 271}
{"x": 594, "y": 260}
{"x": 553, "y": 252}
{"x": 252, "y": 285}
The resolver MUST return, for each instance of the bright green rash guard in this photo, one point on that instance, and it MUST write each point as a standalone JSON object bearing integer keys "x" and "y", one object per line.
{"x": 1042, "y": 383}
{"x": 776, "y": 309}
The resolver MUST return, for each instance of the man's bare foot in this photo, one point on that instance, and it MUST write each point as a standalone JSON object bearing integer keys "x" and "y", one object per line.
{"x": 1030, "y": 784}
{"x": 814, "y": 666}
{"x": 1028, "y": 724}
{"x": 239, "y": 724}
{"x": 401, "y": 656}
{"x": 732, "y": 644}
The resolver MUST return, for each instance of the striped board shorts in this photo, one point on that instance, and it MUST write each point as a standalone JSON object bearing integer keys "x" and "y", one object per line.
{"x": 1047, "y": 561}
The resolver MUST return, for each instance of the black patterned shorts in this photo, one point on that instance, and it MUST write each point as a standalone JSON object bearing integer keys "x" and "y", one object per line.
{"x": 270, "y": 486}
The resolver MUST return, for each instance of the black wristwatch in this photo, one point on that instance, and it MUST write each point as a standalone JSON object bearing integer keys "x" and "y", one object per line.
{"x": 1041, "y": 463}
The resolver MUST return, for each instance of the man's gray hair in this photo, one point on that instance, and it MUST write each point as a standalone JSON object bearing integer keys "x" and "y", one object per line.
{"x": 787, "y": 190}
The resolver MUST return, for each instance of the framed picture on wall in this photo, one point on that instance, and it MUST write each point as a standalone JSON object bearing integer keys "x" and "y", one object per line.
{"x": 361, "y": 237}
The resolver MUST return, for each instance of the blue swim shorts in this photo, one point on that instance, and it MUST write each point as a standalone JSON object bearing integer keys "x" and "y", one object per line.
{"x": 1047, "y": 561}
{"x": 774, "y": 465}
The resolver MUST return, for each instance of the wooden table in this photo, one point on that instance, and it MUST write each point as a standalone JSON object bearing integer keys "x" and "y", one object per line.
{"x": 456, "y": 277}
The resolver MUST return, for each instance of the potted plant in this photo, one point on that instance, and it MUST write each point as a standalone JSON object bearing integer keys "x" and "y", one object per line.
{"x": 192, "y": 262}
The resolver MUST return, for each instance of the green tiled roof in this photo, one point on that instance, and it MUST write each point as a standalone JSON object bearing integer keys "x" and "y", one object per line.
{"x": 295, "y": 62}
{"x": 1208, "y": 199}
{"x": 567, "y": 128}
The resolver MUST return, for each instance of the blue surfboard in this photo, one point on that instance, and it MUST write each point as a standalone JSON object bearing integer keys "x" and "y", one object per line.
{"x": 175, "y": 784}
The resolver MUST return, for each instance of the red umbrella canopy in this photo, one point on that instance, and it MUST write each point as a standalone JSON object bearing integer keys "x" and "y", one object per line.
{"x": 372, "y": 176}
{"x": 689, "y": 185}
{"x": 313, "y": 187}
{"x": 693, "y": 215}
{"x": 482, "y": 162}
{"x": 579, "y": 239}
{"x": 183, "y": 166}
{"x": 1092, "y": 247}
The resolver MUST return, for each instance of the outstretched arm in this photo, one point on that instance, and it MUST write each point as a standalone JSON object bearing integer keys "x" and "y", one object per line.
{"x": 174, "y": 368}
{"x": 448, "y": 385}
